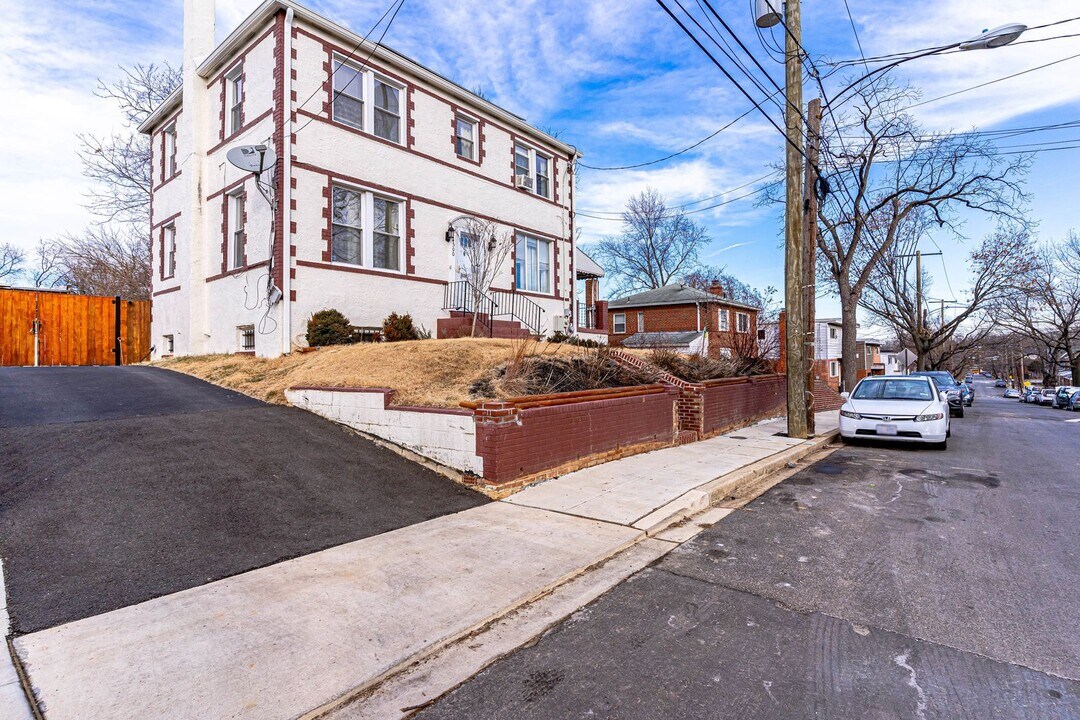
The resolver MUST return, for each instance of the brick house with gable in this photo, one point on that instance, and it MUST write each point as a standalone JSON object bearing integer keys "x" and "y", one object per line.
{"x": 685, "y": 319}
{"x": 380, "y": 165}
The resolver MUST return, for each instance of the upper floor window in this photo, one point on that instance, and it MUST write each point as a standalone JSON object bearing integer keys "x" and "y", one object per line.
{"x": 532, "y": 170}
{"x": 532, "y": 264}
{"x": 725, "y": 319}
{"x": 387, "y": 111}
{"x": 641, "y": 322}
{"x": 832, "y": 333}
{"x": 170, "y": 151}
{"x": 348, "y": 95}
{"x": 742, "y": 322}
{"x": 236, "y": 230}
{"x": 234, "y": 99}
{"x": 366, "y": 229}
{"x": 169, "y": 243}
{"x": 464, "y": 137}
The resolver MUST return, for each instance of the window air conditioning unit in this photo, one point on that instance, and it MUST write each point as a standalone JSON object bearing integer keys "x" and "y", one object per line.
{"x": 523, "y": 181}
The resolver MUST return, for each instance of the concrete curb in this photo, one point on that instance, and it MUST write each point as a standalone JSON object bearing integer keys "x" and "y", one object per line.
{"x": 697, "y": 500}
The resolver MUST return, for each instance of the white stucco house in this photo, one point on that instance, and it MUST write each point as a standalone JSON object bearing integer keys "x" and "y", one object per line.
{"x": 379, "y": 162}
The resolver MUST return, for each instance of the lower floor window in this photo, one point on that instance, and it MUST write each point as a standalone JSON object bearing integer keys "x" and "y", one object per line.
{"x": 618, "y": 323}
{"x": 834, "y": 368}
{"x": 167, "y": 344}
{"x": 365, "y": 229}
{"x": 247, "y": 337}
{"x": 532, "y": 264}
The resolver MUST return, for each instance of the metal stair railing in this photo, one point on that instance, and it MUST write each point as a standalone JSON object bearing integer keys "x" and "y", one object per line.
{"x": 462, "y": 296}
{"x": 519, "y": 307}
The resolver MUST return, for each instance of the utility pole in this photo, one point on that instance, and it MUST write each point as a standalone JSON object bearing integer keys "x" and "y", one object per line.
{"x": 810, "y": 232}
{"x": 795, "y": 334}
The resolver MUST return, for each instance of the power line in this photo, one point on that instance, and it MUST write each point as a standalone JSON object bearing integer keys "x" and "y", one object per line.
{"x": 761, "y": 189}
{"x": 693, "y": 202}
{"x": 333, "y": 71}
{"x": 991, "y": 82}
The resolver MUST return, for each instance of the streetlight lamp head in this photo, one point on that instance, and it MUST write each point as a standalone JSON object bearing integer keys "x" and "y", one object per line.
{"x": 995, "y": 38}
{"x": 766, "y": 14}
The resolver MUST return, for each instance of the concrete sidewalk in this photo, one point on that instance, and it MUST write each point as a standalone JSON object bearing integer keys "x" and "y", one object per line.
{"x": 299, "y": 636}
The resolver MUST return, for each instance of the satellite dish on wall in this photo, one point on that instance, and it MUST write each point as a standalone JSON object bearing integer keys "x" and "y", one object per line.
{"x": 252, "y": 158}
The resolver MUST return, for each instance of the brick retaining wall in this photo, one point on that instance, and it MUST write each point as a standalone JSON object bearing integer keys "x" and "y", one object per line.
{"x": 527, "y": 439}
{"x": 736, "y": 402}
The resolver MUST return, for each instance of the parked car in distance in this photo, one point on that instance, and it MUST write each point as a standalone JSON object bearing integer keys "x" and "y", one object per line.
{"x": 969, "y": 399}
{"x": 1074, "y": 402}
{"x": 1046, "y": 397}
{"x": 969, "y": 378}
{"x": 1030, "y": 395}
{"x": 1000, "y": 383}
{"x": 903, "y": 408}
{"x": 947, "y": 384}
{"x": 1062, "y": 394}
{"x": 1011, "y": 393}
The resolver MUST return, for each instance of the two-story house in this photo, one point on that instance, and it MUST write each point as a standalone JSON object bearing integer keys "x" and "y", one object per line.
{"x": 828, "y": 349}
{"x": 685, "y": 319}
{"x": 380, "y": 164}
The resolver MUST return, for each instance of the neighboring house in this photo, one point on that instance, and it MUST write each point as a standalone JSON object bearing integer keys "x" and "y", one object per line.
{"x": 592, "y": 312}
{"x": 898, "y": 361}
{"x": 828, "y": 344}
{"x": 868, "y": 358}
{"x": 720, "y": 325}
{"x": 380, "y": 162}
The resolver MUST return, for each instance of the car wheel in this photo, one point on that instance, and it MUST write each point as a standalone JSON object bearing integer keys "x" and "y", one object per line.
{"x": 960, "y": 412}
{"x": 943, "y": 445}
{"x": 948, "y": 432}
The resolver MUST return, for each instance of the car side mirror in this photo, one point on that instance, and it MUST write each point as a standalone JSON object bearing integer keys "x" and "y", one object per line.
{"x": 845, "y": 395}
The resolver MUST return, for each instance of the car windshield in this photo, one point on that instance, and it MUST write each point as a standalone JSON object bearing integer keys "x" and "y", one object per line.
{"x": 893, "y": 389}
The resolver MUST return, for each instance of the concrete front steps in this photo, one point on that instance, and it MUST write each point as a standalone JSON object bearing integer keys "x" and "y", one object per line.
{"x": 459, "y": 324}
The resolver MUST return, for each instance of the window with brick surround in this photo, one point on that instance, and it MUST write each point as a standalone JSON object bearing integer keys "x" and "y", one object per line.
{"x": 725, "y": 319}
{"x": 618, "y": 323}
{"x": 641, "y": 322}
{"x": 170, "y": 151}
{"x": 386, "y": 239}
{"x": 387, "y": 110}
{"x": 348, "y": 95}
{"x": 834, "y": 368}
{"x": 169, "y": 245}
{"x": 347, "y": 231}
{"x": 532, "y": 264}
{"x": 534, "y": 167}
{"x": 465, "y": 137}
{"x": 234, "y": 100}
{"x": 742, "y": 322}
{"x": 235, "y": 238}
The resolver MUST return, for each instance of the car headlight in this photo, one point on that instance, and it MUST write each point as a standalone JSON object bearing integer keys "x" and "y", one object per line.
{"x": 852, "y": 415}
{"x": 929, "y": 418}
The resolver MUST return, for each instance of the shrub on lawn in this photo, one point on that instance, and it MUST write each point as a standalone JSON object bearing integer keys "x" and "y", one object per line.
{"x": 400, "y": 327}
{"x": 693, "y": 368}
{"x": 561, "y": 337}
{"x": 328, "y": 327}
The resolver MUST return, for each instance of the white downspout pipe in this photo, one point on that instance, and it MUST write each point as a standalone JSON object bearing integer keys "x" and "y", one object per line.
{"x": 286, "y": 189}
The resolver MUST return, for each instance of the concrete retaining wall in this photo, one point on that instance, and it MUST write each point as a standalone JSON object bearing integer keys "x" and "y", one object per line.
{"x": 445, "y": 435}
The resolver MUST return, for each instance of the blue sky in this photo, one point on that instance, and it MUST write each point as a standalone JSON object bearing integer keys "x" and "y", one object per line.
{"x": 615, "y": 77}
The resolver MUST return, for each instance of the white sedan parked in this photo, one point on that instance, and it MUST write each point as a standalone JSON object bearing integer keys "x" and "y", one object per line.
{"x": 904, "y": 408}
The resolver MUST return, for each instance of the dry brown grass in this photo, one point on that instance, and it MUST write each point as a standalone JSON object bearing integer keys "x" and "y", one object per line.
{"x": 435, "y": 373}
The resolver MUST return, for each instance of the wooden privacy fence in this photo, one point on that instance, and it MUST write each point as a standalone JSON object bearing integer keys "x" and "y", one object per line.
{"x": 72, "y": 329}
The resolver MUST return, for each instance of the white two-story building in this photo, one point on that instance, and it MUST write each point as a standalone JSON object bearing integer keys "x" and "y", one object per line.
{"x": 380, "y": 163}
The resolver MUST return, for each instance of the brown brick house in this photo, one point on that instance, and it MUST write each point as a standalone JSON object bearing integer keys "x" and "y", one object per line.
{"x": 683, "y": 318}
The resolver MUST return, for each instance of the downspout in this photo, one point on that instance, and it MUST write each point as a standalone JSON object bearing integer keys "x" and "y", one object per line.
{"x": 286, "y": 186}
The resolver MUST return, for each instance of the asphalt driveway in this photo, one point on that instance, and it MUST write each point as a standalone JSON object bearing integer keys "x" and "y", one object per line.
{"x": 121, "y": 484}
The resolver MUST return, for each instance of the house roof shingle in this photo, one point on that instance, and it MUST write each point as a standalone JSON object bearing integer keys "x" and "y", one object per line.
{"x": 680, "y": 339}
{"x": 676, "y": 294}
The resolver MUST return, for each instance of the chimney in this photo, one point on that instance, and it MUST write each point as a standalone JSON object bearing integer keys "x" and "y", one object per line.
{"x": 715, "y": 288}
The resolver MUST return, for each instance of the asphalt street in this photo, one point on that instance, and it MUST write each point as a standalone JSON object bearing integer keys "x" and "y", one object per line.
{"x": 882, "y": 582}
{"x": 121, "y": 484}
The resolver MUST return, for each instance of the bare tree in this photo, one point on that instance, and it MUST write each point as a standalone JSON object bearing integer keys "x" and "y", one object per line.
{"x": 1047, "y": 312}
{"x": 44, "y": 270}
{"x": 484, "y": 250}
{"x": 995, "y": 266}
{"x": 118, "y": 166}
{"x": 104, "y": 260}
{"x": 657, "y": 245}
{"x": 11, "y": 260}
{"x": 880, "y": 168}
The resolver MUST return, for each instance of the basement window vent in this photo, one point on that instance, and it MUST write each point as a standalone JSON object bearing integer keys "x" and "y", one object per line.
{"x": 247, "y": 338}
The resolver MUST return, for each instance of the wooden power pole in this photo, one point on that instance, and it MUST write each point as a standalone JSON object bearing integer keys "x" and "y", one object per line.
{"x": 795, "y": 334}
{"x": 810, "y": 232}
